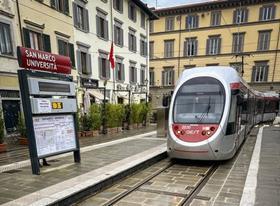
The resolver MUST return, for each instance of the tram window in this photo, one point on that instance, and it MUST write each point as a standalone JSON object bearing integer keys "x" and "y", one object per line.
{"x": 232, "y": 116}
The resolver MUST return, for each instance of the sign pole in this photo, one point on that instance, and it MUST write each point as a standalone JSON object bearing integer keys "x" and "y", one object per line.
{"x": 24, "y": 89}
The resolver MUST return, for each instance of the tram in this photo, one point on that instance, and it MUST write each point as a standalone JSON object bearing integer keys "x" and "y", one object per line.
{"x": 211, "y": 112}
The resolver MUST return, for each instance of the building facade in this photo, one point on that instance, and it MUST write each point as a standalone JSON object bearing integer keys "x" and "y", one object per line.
{"x": 99, "y": 23}
{"x": 241, "y": 34}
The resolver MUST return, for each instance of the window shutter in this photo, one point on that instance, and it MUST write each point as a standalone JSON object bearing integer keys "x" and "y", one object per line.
{"x": 129, "y": 42}
{"x": 46, "y": 43}
{"x": 162, "y": 78}
{"x": 114, "y": 4}
{"x": 122, "y": 72}
{"x": 172, "y": 77}
{"x": 135, "y": 75}
{"x": 219, "y": 45}
{"x": 273, "y": 12}
{"x": 98, "y": 26}
{"x": 121, "y": 37}
{"x": 86, "y": 28}
{"x": 108, "y": 73}
{"x": 121, "y": 5}
{"x": 79, "y": 63}
{"x": 129, "y": 11}
{"x": 130, "y": 74}
{"x": 100, "y": 67}
{"x": 115, "y": 34}
{"x": 89, "y": 69}
{"x": 145, "y": 48}
{"x": 134, "y": 44}
{"x": 66, "y": 6}
{"x": 187, "y": 22}
{"x": 106, "y": 35}
{"x": 197, "y": 21}
{"x": 53, "y": 3}
{"x": 26, "y": 38}
{"x": 261, "y": 13}
{"x": 253, "y": 74}
{"x": 61, "y": 47}
{"x": 195, "y": 47}
{"x": 208, "y": 46}
{"x": 71, "y": 54}
{"x": 75, "y": 14}
{"x": 141, "y": 48}
{"x": 186, "y": 48}
{"x": 234, "y": 17}
{"x": 246, "y": 15}
{"x": 266, "y": 70}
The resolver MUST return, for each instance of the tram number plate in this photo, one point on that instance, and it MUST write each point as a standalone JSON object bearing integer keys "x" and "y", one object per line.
{"x": 57, "y": 105}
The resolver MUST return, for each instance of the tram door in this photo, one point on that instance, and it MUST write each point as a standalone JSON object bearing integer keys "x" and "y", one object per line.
{"x": 11, "y": 109}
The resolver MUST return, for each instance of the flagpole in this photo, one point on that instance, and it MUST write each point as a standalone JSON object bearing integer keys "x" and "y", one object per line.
{"x": 112, "y": 38}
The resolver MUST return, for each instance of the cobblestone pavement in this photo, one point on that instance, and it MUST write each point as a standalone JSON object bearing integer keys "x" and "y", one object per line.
{"x": 20, "y": 182}
{"x": 268, "y": 184}
{"x": 170, "y": 187}
{"x": 18, "y": 153}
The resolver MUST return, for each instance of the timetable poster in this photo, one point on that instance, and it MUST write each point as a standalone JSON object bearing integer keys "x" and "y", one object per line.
{"x": 54, "y": 134}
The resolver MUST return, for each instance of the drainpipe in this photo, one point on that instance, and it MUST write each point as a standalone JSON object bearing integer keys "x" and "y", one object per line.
{"x": 19, "y": 23}
{"x": 179, "y": 53}
{"x": 275, "y": 59}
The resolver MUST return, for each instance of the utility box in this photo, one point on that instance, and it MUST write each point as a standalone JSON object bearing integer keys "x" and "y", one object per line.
{"x": 162, "y": 121}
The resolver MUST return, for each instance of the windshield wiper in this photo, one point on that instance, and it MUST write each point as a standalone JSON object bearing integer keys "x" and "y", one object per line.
{"x": 204, "y": 114}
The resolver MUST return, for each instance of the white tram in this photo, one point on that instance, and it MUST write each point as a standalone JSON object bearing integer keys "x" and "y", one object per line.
{"x": 211, "y": 112}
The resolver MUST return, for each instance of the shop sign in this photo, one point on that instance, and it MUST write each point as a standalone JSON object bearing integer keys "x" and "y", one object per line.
{"x": 41, "y": 60}
{"x": 89, "y": 83}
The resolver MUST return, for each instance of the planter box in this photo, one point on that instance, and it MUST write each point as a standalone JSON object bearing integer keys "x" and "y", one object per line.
{"x": 88, "y": 133}
{"x": 3, "y": 147}
{"x": 80, "y": 134}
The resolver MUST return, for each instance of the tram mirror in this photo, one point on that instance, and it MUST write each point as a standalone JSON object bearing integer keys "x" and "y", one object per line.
{"x": 239, "y": 100}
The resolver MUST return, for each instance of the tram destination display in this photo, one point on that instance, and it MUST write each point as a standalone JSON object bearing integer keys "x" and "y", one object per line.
{"x": 54, "y": 134}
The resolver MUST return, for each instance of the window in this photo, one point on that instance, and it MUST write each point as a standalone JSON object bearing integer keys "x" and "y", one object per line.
{"x": 80, "y": 15}
{"x": 267, "y": 12}
{"x": 143, "y": 46}
{"x": 118, "y": 33}
{"x": 142, "y": 75}
{"x": 151, "y": 49}
{"x": 104, "y": 66}
{"x": 132, "y": 11}
{"x": 61, "y": 6}
{"x": 118, "y": 5}
{"x": 169, "y": 23}
{"x": 151, "y": 26}
{"x": 215, "y": 18}
{"x": 101, "y": 25}
{"x": 189, "y": 66}
{"x": 152, "y": 77}
{"x": 264, "y": 40}
{"x": 260, "y": 72}
{"x": 240, "y": 15}
{"x": 119, "y": 70}
{"x": 238, "y": 42}
{"x": 132, "y": 73}
{"x": 213, "y": 45}
{"x": 167, "y": 76}
{"x": 83, "y": 60}
{"x": 237, "y": 66}
{"x": 192, "y": 21}
{"x": 212, "y": 64}
{"x": 143, "y": 20}
{"x": 66, "y": 49}
{"x": 168, "y": 48}
{"x": 190, "y": 47}
{"x": 36, "y": 40}
{"x": 132, "y": 40}
{"x": 6, "y": 47}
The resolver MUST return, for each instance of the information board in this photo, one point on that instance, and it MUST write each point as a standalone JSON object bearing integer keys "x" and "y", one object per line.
{"x": 54, "y": 134}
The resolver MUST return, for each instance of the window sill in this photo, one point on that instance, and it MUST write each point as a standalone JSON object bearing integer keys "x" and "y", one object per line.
{"x": 120, "y": 11}
{"x": 104, "y": 78}
{"x": 80, "y": 29}
{"x": 100, "y": 37}
{"x": 119, "y": 45}
{"x": 132, "y": 51}
{"x": 8, "y": 56}
{"x": 120, "y": 81}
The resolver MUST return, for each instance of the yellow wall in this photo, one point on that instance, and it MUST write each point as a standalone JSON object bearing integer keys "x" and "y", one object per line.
{"x": 250, "y": 43}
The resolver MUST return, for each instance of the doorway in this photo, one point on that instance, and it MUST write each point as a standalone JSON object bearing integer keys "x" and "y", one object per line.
{"x": 11, "y": 109}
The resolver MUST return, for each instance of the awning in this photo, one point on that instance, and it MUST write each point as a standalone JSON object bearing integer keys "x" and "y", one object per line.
{"x": 97, "y": 94}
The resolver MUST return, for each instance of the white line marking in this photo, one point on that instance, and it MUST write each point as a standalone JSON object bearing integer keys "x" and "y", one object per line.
{"x": 249, "y": 191}
{"x": 26, "y": 163}
{"x": 56, "y": 168}
{"x": 69, "y": 187}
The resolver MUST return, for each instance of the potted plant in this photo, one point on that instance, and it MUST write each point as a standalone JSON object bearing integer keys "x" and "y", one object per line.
{"x": 3, "y": 146}
{"x": 86, "y": 125}
{"x": 95, "y": 118}
{"x": 22, "y": 130}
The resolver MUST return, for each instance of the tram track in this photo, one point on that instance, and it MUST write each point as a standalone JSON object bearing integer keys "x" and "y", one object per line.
{"x": 186, "y": 198}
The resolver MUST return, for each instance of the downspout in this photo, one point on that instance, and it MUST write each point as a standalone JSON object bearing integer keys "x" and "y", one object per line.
{"x": 275, "y": 59}
{"x": 19, "y": 23}
{"x": 179, "y": 53}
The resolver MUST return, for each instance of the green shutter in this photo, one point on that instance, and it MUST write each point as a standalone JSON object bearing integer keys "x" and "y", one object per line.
{"x": 46, "y": 43}
{"x": 75, "y": 14}
{"x": 253, "y": 74}
{"x": 72, "y": 54}
{"x": 26, "y": 38}
{"x": 66, "y": 7}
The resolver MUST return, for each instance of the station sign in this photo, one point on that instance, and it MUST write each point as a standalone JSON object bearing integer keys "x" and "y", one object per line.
{"x": 44, "y": 61}
{"x": 89, "y": 83}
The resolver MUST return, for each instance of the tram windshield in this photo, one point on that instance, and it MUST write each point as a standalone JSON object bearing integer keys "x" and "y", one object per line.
{"x": 199, "y": 100}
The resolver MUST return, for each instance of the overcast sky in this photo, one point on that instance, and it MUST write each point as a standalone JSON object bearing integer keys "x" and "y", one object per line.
{"x": 168, "y": 3}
